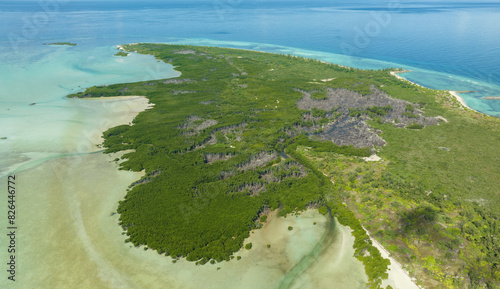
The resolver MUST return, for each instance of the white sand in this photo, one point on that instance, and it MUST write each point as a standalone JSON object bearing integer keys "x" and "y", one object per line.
{"x": 461, "y": 100}
{"x": 372, "y": 158}
{"x": 77, "y": 130}
{"x": 395, "y": 73}
{"x": 398, "y": 277}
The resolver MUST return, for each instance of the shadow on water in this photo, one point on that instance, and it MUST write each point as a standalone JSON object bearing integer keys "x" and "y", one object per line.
{"x": 329, "y": 237}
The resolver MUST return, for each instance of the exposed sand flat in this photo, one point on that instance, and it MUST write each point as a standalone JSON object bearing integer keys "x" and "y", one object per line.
{"x": 116, "y": 110}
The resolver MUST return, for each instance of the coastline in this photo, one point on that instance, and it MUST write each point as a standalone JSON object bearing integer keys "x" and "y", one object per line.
{"x": 398, "y": 277}
{"x": 120, "y": 110}
{"x": 461, "y": 100}
{"x": 396, "y": 74}
{"x": 72, "y": 228}
{"x": 455, "y": 94}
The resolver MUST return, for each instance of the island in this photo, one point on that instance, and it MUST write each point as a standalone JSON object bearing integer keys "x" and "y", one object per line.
{"x": 121, "y": 53}
{"x": 61, "y": 43}
{"x": 242, "y": 133}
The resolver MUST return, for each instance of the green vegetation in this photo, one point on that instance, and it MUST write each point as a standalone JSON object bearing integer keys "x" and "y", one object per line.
{"x": 429, "y": 211}
{"x": 415, "y": 126}
{"x": 248, "y": 246}
{"x": 62, "y": 43}
{"x": 290, "y": 228}
{"x": 226, "y": 142}
{"x": 121, "y": 53}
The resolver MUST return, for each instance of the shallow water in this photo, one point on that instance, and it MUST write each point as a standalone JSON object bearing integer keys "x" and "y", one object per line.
{"x": 69, "y": 238}
{"x": 54, "y": 124}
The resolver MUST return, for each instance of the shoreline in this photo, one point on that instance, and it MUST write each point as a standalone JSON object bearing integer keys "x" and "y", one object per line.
{"x": 84, "y": 136}
{"x": 122, "y": 110}
{"x": 398, "y": 277}
{"x": 461, "y": 101}
{"x": 454, "y": 93}
{"x": 395, "y": 74}
{"x": 66, "y": 207}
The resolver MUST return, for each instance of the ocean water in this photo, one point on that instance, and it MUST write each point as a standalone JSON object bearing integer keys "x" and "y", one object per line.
{"x": 38, "y": 120}
{"x": 453, "y": 45}
{"x": 446, "y": 45}
{"x": 450, "y": 45}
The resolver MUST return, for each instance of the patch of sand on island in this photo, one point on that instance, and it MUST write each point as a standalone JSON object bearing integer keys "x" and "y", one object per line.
{"x": 372, "y": 158}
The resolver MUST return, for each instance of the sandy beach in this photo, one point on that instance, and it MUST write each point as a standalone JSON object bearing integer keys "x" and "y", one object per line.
{"x": 453, "y": 93}
{"x": 461, "y": 100}
{"x": 396, "y": 74}
{"x": 398, "y": 277}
